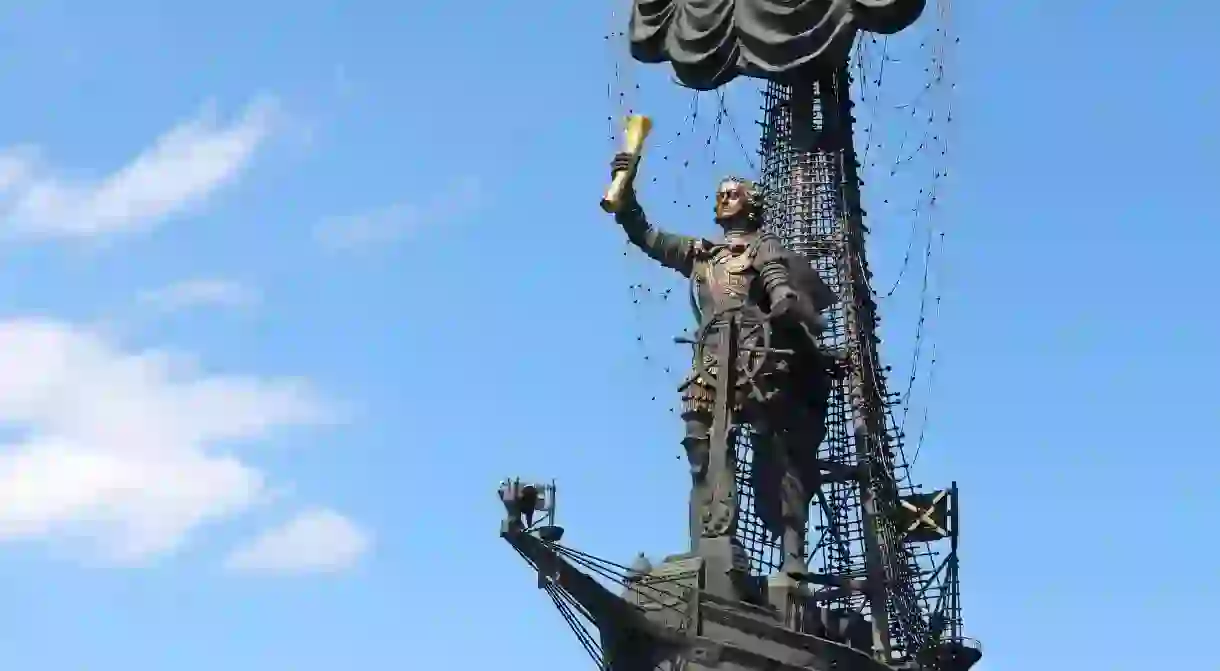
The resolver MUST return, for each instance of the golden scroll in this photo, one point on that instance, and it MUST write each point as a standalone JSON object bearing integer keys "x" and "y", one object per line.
{"x": 638, "y": 128}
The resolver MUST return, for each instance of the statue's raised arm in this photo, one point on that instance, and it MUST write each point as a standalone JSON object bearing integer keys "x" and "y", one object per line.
{"x": 669, "y": 249}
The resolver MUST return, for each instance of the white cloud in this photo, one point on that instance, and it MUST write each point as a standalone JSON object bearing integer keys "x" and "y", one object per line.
{"x": 369, "y": 229}
{"x": 127, "y": 452}
{"x": 181, "y": 169}
{"x": 315, "y": 541}
{"x": 201, "y": 293}
{"x": 396, "y": 222}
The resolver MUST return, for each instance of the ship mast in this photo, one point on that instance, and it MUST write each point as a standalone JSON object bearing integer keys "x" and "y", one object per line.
{"x": 809, "y": 162}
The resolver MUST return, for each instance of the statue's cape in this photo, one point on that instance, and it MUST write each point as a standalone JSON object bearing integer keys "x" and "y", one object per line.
{"x": 806, "y": 280}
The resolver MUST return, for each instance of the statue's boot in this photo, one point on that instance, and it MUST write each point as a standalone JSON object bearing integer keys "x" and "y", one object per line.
{"x": 697, "y": 450}
{"x": 794, "y": 552}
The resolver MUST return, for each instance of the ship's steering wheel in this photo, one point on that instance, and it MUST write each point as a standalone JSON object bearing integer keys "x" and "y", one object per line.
{"x": 754, "y": 339}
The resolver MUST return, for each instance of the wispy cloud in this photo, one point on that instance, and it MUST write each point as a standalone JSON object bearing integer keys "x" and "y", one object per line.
{"x": 315, "y": 541}
{"x": 128, "y": 452}
{"x": 379, "y": 227}
{"x": 180, "y": 170}
{"x": 205, "y": 292}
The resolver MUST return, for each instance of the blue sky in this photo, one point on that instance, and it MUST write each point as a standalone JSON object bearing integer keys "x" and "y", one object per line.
{"x": 290, "y": 288}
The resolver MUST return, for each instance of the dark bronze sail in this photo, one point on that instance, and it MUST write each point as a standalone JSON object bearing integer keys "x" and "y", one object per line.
{"x": 710, "y": 42}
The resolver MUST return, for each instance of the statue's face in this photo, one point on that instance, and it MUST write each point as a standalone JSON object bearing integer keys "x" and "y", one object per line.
{"x": 732, "y": 200}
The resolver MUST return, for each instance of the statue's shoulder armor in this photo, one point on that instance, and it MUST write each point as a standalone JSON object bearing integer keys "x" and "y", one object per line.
{"x": 768, "y": 247}
{"x": 806, "y": 279}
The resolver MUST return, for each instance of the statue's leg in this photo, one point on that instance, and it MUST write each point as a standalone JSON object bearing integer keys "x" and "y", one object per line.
{"x": 789, "y": 441}
{"x": 697, "y": 441}
{"x": 794, "y": 506}
{"x": 765, "y": 475}
{"x": 802, "y": 439}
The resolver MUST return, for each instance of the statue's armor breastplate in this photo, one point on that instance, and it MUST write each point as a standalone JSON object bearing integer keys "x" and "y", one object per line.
{"x": 723, "y": 279}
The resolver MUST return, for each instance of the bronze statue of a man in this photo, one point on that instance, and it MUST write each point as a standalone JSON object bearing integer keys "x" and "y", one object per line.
{"x": 750, "y": 274}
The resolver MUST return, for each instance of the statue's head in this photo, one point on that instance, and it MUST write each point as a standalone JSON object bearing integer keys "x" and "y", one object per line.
{"x": 738, "y": 204}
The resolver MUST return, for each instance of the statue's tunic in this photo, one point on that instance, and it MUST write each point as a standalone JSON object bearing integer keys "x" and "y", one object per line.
{"x": 739, "y": 274}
